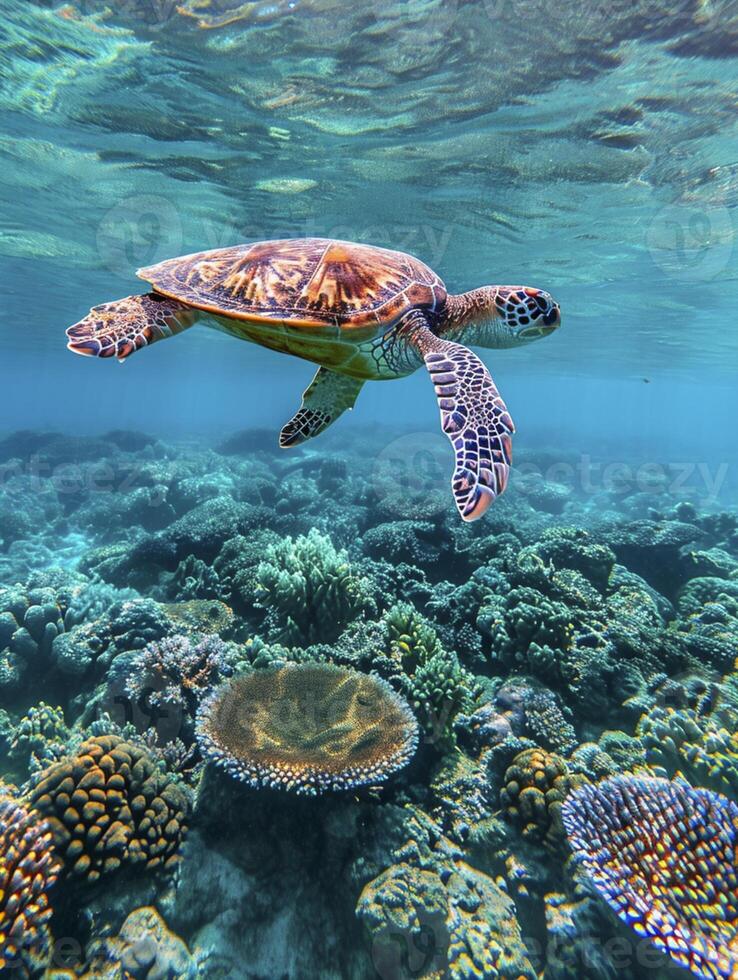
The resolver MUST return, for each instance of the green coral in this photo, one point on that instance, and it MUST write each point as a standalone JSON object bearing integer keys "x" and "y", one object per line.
{"x": 448, "y": 919}
{"x": 309, "y": 590}
{"x": 410, "y": 638}
{"x": 41, "y": 735}
{"x": 431, "y": 677}
{"x": 685, "y": 741}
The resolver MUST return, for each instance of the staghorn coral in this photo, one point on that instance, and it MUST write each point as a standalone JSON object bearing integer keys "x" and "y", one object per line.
{"x": 309, "y": 590}
{"x": 307, "y": 728}
{"x": 177, "y": 671}
{"x": 108, "y": 804}
{"x": 27, "y": 872}
{"x": 432, "y": 913}
{"x": 535, "y": 786}
{"x": 662, "y": 855}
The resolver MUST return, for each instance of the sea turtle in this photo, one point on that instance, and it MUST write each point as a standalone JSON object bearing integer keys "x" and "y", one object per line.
{"x": 362, "y": 313}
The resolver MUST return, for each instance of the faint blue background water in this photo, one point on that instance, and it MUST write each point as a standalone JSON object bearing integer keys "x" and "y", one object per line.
{"x": 590, "y": 151}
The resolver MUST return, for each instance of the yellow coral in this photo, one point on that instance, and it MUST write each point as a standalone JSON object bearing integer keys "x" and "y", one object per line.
{"x": 535, "y": 787}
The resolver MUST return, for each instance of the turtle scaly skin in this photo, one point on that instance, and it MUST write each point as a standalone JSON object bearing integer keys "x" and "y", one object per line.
{"x": 362, "y": 314}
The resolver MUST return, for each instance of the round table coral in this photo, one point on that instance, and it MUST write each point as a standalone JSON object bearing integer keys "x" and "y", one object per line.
{"x": 663, "y": 856}
{"x": 307, "y": 728}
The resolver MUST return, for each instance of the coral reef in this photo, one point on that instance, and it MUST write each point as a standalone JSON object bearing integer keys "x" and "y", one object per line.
{"x": 309, "y": 590}
{"x": 179, "y": 671}
{"x": 444, "y": 916}
{"x": 109, "y": 805}
{"x": 570, "y": 638}
{"x": 28, "y": 870}
{"x": 534, "y": 790}
{"x": 662, "y": 854}
{"x": 307, "y": 728}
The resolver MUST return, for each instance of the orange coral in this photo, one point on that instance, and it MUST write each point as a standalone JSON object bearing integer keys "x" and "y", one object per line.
{"x": 27, "y": 871}
{"x": 109, "y": 804}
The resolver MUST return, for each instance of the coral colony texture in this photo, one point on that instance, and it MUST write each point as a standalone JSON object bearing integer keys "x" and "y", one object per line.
{"x": 308, "y": 728}
{"x": 28, "y": 870}
{"x": 663, "y": 855}
{"x": 269, "y": 715}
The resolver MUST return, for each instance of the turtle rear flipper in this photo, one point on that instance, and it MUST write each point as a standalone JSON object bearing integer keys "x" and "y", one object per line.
{"x": 473, "y": 416}
{"x": 327, "y": 396}
{"x": 120, "y": 328}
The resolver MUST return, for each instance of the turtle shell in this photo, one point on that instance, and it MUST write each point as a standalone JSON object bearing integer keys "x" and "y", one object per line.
{"x": 304, "y": 282}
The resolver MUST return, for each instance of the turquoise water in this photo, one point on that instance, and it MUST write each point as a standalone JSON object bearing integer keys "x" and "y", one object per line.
{"x": 588, "y": 150}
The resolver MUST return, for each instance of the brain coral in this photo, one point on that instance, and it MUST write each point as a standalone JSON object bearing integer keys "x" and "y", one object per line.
{"x": 27, "y": 871}
{"x": 109, "y": 804}
{"x": 663, "y": 855}
{"x": 307, "y": 727}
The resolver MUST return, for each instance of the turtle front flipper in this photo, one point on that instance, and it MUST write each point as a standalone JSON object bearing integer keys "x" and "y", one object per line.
{"x": 120, "y": 328}
{"x": 473, "y": 416}
{"x": 327, "y": 396}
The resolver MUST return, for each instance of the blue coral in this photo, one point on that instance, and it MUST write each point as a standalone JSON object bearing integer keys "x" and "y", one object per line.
{"x": 663, "y": 856}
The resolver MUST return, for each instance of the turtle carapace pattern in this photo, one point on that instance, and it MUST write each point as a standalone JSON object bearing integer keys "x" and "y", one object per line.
{"x": 361, "y": 313}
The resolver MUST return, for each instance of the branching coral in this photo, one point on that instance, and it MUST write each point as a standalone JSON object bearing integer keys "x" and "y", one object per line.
{"x": 409, "y": 653}
{"x": 177, "y": 671}
{"x": 307, "y": 728}
{"x": 693, "y": 743}
{"x": 39, "y": 735}
{"x": 109, "y": 804}
{"x": 27, "y": 872}
{"x": 663, "y": 856}
{"x": 309, "y": 590}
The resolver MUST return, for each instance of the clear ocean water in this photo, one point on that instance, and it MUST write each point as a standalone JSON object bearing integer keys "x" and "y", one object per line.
{"x": 588, "y": 149}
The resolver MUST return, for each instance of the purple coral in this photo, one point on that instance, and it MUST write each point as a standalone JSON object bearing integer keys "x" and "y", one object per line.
{"x": 663, "y": 855}
{"x": 177, "y": 672}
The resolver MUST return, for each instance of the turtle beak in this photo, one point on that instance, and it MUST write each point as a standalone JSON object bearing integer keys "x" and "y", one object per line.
{"x": 545, "y": 324}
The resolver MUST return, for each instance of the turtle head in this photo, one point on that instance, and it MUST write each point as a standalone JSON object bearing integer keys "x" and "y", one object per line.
{"x": 504, "y": 316}
{"x": 522, "y": 314}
